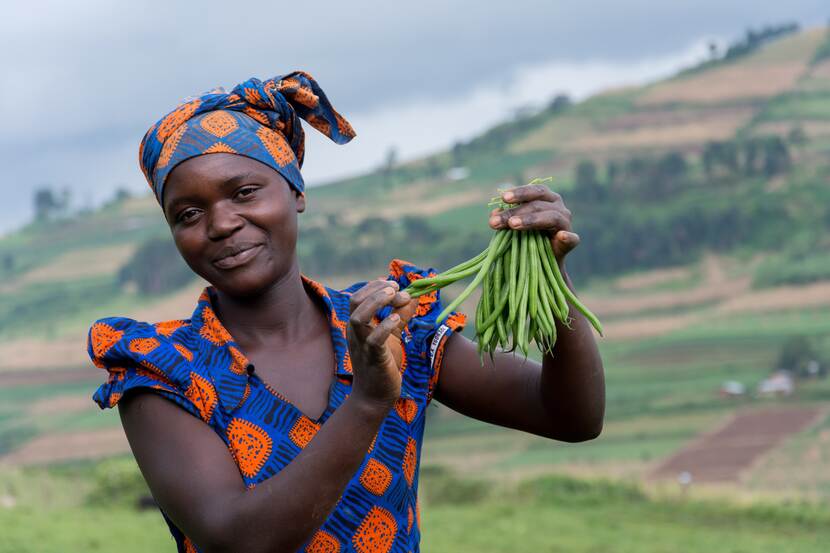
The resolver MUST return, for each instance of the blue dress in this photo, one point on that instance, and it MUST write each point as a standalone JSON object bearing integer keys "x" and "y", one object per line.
{"x": 196, "y": 364}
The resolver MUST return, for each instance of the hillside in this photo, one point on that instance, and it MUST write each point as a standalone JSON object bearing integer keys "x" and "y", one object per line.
{"x": 58, "y": 276}
{"x": 703, "y": 203}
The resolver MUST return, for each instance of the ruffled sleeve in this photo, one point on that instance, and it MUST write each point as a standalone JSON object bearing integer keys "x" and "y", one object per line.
{"x": 134, "y": 356}
{"x": 422, "y": 327}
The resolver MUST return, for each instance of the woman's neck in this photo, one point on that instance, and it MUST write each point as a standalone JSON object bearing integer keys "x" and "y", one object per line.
{"x": 279, "y": 317}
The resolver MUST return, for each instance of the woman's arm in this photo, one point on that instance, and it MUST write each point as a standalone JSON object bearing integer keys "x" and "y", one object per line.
{"x": 194, "y": 478}
{"x": 564, "y": 397}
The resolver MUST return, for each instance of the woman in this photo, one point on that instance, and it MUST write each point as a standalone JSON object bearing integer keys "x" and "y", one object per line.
{"x": 277, "y": 418}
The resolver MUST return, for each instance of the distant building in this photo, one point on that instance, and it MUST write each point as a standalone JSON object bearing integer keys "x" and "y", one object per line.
{"x": 732, "y": 388}
{"x": 779, "y": 383}
{"x": 458, "y": 173}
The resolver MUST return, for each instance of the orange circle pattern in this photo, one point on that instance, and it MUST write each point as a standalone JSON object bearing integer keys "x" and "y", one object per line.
{"x": 250, "y": 446}
{"x": 323, "y": 542}
{"x": 114, "y": 398}
{"x": 407, "y": 409}
{"x": 167, "y": 328}
{"x": 306, "y": 97}
{"x": 376, "y": 533}
{"x": 103, "y": 337}
{"x": 143, "y": 346}
{"x": 212, "y": 329}
{"x": 276, "y": 146}
{"x": 239, "y": 365}
{"x": 170, "y": 146}
{"x": 376, "y": 477}
{"x": 410, "y": 460}
{"x": 303, "y": 431}
{"x": 203, "y": 395}
{"x": 176, "y": 118}
{"x": 219, "y": 123}
{"x": 220, "y": 148}
{"x": 186, "y": 353}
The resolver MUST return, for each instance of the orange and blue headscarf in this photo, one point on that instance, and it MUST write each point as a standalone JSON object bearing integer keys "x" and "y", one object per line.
{"x": 258, "y": 119}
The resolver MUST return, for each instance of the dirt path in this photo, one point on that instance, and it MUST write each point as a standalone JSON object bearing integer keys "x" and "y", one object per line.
{"x": 721, "y": 456}
{"x": 57, "y": 376}
{"x": 55, "y": 448}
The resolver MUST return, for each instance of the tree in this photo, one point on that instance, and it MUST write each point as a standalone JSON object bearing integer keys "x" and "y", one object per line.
{"x": 156, "y": 268}
{"x": 796, "y": 354}
{"x": 797, "y": 136}
{"x": 720, "y": 158}
{"x": 776, "y": 156}
{"x": 46, "y": 203}
{"x": 389, "y": 165}
{"x": 560, "y": 103}
{"x": 588, "y": 187}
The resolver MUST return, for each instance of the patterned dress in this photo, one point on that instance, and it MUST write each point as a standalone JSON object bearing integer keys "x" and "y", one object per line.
{"x": 196, "y": 364}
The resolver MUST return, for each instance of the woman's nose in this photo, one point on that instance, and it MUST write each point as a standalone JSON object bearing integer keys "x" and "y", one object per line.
{"x": 224, "y": 221}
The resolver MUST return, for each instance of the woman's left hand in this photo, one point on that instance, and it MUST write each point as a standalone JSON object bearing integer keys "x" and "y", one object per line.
{"x": 541, "y": 209}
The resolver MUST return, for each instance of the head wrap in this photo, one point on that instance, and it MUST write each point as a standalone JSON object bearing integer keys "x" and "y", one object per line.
{"x": 258, "y": 119}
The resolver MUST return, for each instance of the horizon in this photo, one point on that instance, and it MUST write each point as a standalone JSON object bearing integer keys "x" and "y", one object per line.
{"x": 92, "y": 150}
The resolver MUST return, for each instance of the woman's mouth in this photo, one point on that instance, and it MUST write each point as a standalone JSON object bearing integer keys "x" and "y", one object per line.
{"x": 236, "y": 256}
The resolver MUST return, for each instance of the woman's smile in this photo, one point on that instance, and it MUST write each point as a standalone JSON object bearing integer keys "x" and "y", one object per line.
{"x": 231, "y": 257}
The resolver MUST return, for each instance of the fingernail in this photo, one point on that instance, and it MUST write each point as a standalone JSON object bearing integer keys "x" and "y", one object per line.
{"x": 515, "y": 221}
{"x": 509, "y": 196}
{"x": 405, "y": 296}
{"x": 389, "y": 291}
{"x": 494, "y": 221}
{"x": 394, "y": 317}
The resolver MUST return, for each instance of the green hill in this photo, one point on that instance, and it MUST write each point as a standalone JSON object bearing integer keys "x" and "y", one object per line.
{"x": 703, "y": 203}
{"x": 728, "y": 158}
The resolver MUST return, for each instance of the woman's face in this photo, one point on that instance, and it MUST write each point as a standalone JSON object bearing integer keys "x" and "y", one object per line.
{"x": 234, "y": 220}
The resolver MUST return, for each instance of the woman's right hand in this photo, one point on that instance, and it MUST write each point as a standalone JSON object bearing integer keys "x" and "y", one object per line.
{"x": 377, "y": 378}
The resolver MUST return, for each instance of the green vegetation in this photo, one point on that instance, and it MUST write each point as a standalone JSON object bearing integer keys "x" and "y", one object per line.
{"x": 798, "y": 106}
{"x": 751, "y": 42}
{"x": 560, "y": 514}
{"x": 156, "y": 268}
{"x": 823, "y": 51}
{"x": 520, "y": 279}
{"x": 550, "y": 513}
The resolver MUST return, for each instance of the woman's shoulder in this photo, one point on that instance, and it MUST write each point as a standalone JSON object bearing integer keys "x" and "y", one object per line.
{"x": 138, "y": 354}
{"x": 124, "y": 338}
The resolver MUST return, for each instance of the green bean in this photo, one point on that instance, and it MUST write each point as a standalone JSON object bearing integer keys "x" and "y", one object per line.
{"x": 576, "y": 303}
{"x": 497, "y": 240}
{"x": 514, "y": 273}
{"x": 443, "y": 280}
{"x": 524, "y": 296}
{"x": 533, "y": 273}
{"x": 482, "y": 309}
{"x": 548, "y": 262}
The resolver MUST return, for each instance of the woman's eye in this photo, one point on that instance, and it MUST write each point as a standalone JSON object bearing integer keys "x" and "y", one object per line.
{"x": 188, "y": 215}
{"x": 246, "y": 192}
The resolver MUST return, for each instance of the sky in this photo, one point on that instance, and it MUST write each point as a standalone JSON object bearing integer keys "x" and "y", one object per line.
{"x": 82, "y": 81}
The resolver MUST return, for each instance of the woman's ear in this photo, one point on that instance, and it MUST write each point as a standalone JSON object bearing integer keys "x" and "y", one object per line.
{"x": 300, "y": 201}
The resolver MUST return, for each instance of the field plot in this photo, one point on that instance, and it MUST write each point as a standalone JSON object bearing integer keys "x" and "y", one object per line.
{"x": 725, "y": 454}
{"x": 773, "y": 70}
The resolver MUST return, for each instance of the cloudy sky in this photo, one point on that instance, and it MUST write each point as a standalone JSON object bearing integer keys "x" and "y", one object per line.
{"x": 82, "y": 81}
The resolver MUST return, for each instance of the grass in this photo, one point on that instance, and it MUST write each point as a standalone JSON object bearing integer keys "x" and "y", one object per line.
{"x": 798, "y": 106}
{"x": 550, "y": 514}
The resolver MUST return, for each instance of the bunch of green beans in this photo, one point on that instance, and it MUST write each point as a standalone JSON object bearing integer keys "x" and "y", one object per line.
{"x": 523, "y": 292}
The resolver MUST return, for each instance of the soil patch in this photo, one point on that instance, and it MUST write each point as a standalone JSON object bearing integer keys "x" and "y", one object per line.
{"x": 724, "y": 454}
{"x": 57, "y": 448}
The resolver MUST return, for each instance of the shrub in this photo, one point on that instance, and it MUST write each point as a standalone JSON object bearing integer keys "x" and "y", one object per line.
{"x": 117, "y": 482}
